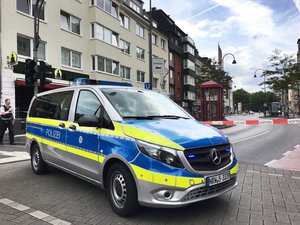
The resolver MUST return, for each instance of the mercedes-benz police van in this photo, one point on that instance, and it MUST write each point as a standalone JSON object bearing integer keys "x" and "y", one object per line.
{"x": 138, "y": 145}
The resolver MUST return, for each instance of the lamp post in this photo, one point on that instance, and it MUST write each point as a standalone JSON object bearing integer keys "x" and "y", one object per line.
{"x": 265, "y": 93}
{"x": 221, "y": 64}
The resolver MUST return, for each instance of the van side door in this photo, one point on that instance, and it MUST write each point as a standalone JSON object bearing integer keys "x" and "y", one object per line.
{"x": 83, "y": 143}
{"x": 50, "y": 113}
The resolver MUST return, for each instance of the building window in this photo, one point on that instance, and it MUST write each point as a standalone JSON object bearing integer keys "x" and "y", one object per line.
{"x": 124, "y": 46}
{"x": 28, "y": 7}
{"x": 172, "y": 93}
{"x": 154, "y": 39}
{"x": 188, "y": 64}
{"x": 140, "y": 53}
{"x": 135, "y": 7}
{"x": 104, "y": 34}
{"x": 69, "y": 22}
{"x": 105, "y": 65}
{"x": 188, "y": 48}
{"x": 140, "y": 31}
{"x": 163, "y": 44}
{"x": 70, "y": 58}
{"x": 172, "y": 78}
{"x": 23, "y": 46}
{"x": 106, "y": 5}
{"x": 188, "y": 95}
{"x": 125, "y": 72}
{"x": 140, "y": 76}
{"x": 189, "y": 80}
{"x": 155, "y": 82}
{"x": 171, "y": 61}
{"x": 125, "y": 22}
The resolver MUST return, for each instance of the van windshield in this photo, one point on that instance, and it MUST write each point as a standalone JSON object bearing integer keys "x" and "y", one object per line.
{"x": 141, "y": 104}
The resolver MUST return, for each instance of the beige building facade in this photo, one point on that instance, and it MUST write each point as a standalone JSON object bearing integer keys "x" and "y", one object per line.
{"x": 104, "y": 40}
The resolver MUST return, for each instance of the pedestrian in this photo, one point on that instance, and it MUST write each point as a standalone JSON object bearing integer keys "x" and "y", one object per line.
{"x": 7, "y": 121}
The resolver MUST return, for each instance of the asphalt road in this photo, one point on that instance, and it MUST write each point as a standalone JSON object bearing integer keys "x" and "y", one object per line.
{"x": 259, "y": 144}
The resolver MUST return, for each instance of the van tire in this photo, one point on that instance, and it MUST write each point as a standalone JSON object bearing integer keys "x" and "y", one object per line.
{"x": 121, "y": 190}
{"x": 38, "y": 165}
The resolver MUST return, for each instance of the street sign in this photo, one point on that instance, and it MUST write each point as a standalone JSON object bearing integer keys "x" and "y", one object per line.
{"x": 158, "y": 66}
{"x": 148, "y": 86}
{"x": 13, "y": 59}
{"x": 58, "y": 74}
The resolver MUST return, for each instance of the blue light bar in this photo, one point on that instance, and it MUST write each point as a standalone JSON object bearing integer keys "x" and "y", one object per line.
{"x": 227, "y": 149}
{"x": 192, "y": 156}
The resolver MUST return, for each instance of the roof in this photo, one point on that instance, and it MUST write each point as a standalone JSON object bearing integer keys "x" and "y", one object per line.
{"x": 211, "y": 84}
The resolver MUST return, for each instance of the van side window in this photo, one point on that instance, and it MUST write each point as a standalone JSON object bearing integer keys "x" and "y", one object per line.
{"x": 87, "y": 105}
{"x": 52, "y": 106}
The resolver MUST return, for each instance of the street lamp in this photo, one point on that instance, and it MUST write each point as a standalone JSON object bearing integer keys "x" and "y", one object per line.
{"x": 233, "y": 62}
{"x": 265, "y": 93}
{"x": 221, "y": 66}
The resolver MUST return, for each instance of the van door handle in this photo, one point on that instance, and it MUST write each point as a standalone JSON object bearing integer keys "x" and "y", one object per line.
{"x": 72, "y": 127}
{"x": 62, "y": 125}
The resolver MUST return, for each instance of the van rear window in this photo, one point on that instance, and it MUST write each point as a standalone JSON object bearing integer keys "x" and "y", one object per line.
{"x": 52, "y": 106}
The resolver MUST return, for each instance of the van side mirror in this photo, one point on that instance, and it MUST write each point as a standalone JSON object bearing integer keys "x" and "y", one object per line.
{"x": 89, "y": 121}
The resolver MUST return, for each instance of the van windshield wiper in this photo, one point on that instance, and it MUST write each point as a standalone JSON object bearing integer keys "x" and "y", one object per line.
{"x": 154, "y": 117}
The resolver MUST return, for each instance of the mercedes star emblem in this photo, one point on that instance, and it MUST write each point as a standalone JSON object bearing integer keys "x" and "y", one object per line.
{"x": 215, "y": 156}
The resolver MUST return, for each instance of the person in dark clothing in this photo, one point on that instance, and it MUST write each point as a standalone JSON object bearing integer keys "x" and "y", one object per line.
{"x": 7, "y": 121}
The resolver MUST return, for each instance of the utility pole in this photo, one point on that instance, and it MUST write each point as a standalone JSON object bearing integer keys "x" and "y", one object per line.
{"x": 150, "y": 46}
{"x": 36, "y": 40}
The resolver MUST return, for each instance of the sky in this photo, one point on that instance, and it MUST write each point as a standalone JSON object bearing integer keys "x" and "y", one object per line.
{"x": 248, "y": 29}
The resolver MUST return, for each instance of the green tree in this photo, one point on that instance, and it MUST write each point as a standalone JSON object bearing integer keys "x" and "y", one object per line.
{"x": 212, "y": 73}
{"x": 284, "y": 73}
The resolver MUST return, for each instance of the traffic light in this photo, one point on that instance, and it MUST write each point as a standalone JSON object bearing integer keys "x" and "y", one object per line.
{"x": 30, "y": 72}
{"x": 45, "y": 70}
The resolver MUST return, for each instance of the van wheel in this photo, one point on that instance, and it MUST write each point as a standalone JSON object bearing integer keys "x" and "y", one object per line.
{"x": 38, "y": 165}
{"x": 121, "y": 190}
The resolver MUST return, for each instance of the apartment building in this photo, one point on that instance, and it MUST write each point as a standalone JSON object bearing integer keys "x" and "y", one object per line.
{"x": 181, "y": 61}
{"x": 106, "y": 41}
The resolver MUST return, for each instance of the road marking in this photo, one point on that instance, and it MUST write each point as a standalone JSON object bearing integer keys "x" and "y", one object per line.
{"x": 34, "y": 213}
{"x": 20, "y": 135}
{"x": 287, "y": 152}
{"x": 269, "y": 174}
{"x": 255, "y": 136}
{"x": 13, "y": 156}
{"x": 298, "y": 178}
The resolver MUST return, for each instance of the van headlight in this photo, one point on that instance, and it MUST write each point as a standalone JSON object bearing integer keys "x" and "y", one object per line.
{"x": 160, "y": 153}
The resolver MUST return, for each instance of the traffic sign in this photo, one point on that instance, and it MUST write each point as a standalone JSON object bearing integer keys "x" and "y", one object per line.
{"x": 58, "y": 74}
{"x": 13, "y": 59}
{"x": 148, "y": 86}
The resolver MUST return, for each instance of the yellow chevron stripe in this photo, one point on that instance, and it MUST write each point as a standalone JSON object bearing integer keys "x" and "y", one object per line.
{"x": 159, "y": 178}
{"x": 150, "y": 137}
{"x": 75, "y": 151}
{"x": 235, "y": 169}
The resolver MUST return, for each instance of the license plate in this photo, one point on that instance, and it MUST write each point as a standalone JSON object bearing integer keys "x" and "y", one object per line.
{"x": 218, "y": 179}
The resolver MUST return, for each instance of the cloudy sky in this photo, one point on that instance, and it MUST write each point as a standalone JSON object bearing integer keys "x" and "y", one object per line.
{"x": 249, "y": 29}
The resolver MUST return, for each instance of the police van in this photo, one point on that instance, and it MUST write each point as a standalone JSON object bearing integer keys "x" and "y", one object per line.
{"x": 139, "y": 145}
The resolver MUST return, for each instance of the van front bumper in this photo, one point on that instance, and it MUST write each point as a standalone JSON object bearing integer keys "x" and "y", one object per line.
{"x": 160, "y": 196}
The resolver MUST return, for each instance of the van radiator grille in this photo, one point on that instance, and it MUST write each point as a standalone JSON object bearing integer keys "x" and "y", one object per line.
{"x": 200, "y": 159}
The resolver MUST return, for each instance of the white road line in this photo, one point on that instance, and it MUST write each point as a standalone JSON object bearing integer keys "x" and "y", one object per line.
{"x": 271, "y": 162}
{"x": 287, "y": 152}
{"x": 20, "y": 135}
{"x": 298, "y": 178}
{"x": 13, "y": 156}
{"x": 255, "y": 136}
{"x": 37, "y": 214}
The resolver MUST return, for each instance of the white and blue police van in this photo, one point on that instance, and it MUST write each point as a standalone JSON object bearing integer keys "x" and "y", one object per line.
{"x": 137, "y": 144}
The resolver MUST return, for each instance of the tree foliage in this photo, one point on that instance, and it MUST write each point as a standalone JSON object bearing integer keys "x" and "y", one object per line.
{"x": 211, "y": 72}
{"x": 284, "y": 73}
{"x": 254, "y": 101}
